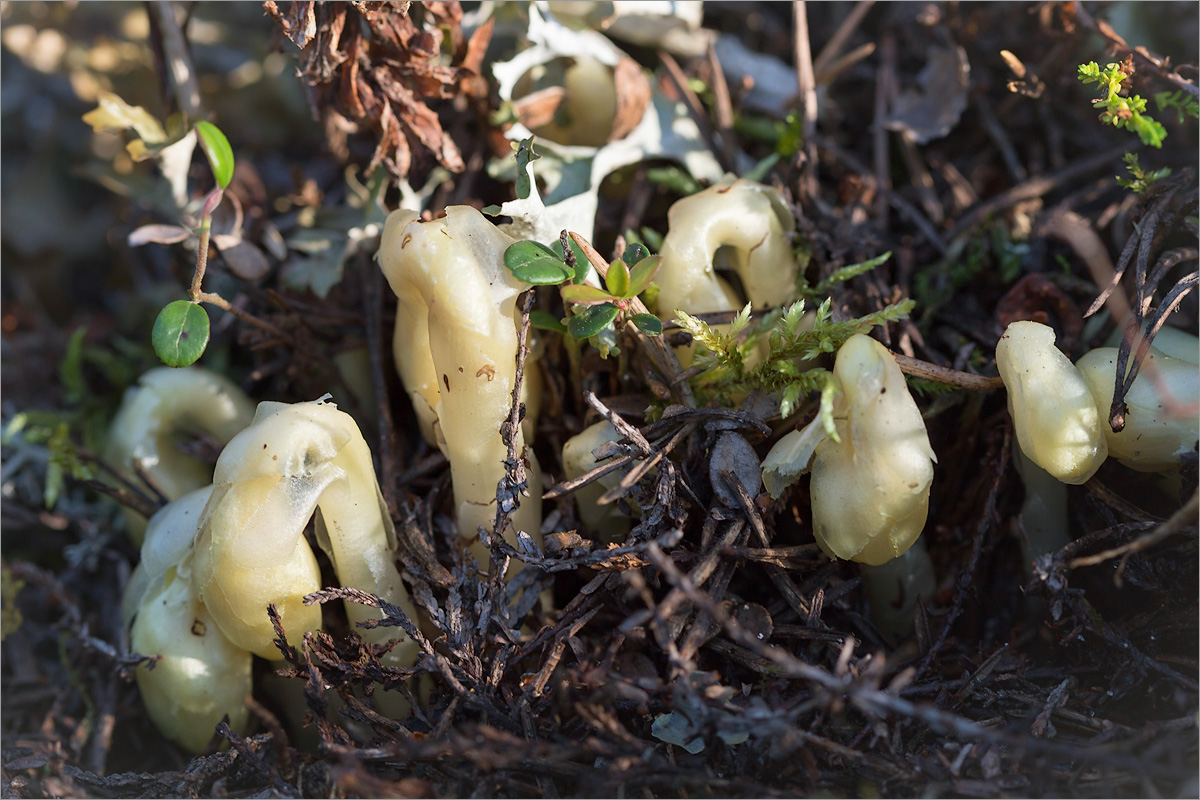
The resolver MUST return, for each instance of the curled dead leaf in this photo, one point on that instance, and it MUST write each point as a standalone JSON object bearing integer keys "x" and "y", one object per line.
{"x": 933, "y": 110}
{"x": 538, "y": 108}
{"x": 375, "y": 65}
{"x": 1035, "y": 298}
{"x": 633, "y": 97}
{"x": 244, "y": 259}
{"x": 160, "y": 234}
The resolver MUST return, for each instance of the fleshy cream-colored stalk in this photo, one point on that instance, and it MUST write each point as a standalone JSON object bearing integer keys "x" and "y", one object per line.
{"x": 870, "y": 491}
{"x": 606, "y": 521}
{"x": 166, "y": 404}
{"x": 457, "y": 354}
{"x": 744, "y": 222}
{"x": 1055, "y": 417}
{"x": 1155, "y": 436}
{"x": 294, "y": 461}
{"x": 200, "y": 676}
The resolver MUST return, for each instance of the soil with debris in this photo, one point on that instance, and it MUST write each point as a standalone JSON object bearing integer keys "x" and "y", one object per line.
{"x": 716, "y": 652}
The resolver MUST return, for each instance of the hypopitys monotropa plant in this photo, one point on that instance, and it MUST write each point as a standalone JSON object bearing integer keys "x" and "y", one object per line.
{"x": 164, "y": 406}
{"x": 744, "y": 223}
{"x": 456, "y": 351}
{"x": 870, "y": 484}
{"x": 578, "y": 457}
{"x": 1160, "y": 417}
{"x": 199, "y": 677}
{"x": 292, "y": 462}
{"x": 215, "y": 559}
{"x": 1053, "y": 411}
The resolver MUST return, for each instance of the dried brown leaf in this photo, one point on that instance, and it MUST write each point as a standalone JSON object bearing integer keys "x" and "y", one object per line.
{"x": 633, "y": 97}
{"x": 381, "y": 77}
{"x": 538, "y": 109}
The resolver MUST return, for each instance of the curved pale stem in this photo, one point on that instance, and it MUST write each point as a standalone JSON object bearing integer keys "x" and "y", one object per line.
{"x": 870, "y": 491}
{"x": 201, "y": 677}
{"x": 1054, "y": 415}
{"x": 606, "y": 520}
{"x": 459, "y": 304}
{"x": 166, "y": 404}
{"x": 291, "y": 462}
{"x": 745, "y": 220}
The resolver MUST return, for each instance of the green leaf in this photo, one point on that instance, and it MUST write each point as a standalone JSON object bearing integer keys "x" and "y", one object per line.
{"x": 1149, "y": 130}
{"x": 648, "y": 324}
{"x": 739, "y": 323}
{"x": 180, "y": 333}
{"x": 492, "y": 211}
{"x": 792, "y": 394}
{"x": 618, "y": 278}
{"x": 641, "y": 275}
{"x": 70, "y": 371}
{"x": 852, "y": 271}
{"x": 582, "y": 266}
{"x": 592, "y": 321}
{"x": 220, "y": 154}
{"x": 652, "y": 238}
{"x": 634, "y": 253}
{"x": 525, "y": 155}
{"x": 759, "y": 171}
{"x": 537, "y": 264}
{"x": 674, "y": 178}
{"x": 584, "y": 295}
{"x": 545, "y": 321}
{"x": 64, "y": 460}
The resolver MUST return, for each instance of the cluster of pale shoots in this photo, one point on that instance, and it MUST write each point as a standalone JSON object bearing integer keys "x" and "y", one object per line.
{"x": 1060, "y": 411}
{"x": 214, "y": 558}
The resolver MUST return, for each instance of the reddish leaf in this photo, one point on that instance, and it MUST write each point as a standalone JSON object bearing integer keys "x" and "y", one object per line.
{"x": 161, "y": 234}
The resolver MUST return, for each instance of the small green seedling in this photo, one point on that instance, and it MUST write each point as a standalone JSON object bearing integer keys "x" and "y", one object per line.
{"x": 1118, "y": 110}
{"x": 596, "y": 312}
{"x": 1126, "y": 112}
{"x": 181, "y": 331}
{"x": 1141, "y": 179}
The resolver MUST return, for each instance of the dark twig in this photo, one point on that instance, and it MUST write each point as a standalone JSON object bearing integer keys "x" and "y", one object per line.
{"x": 951, "y": 377}
{"x": 841, "y": 36}
{"x": 806, "y": 81}
{"x": 997, "y": 457}
{"x": 1181, "y": 520}
{"x": 1036, "y": 187}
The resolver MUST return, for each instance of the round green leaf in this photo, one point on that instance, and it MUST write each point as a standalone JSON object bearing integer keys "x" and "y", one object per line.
{"x": 537, "y": 264}
{"x": 641, "y": 275}
{"x": 582, "y": 265}
{"x": 634, "y": 253}
{"x": 617, "y": 279}
{"x": 180, "y": 333}
{"x": 583, "y": 295}
{"x": 592, "y": 321}
{"x": 220, "y": 154}
{"x": 544, "y": 320}
{"x": 648, "y": 324}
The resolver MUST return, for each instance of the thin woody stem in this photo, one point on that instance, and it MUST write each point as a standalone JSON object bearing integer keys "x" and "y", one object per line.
{"x": 951, "y": 377}
{"x": 220, "y": 302}
{"x": 202, "y": 264}
{"x": 668, "y": 364}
